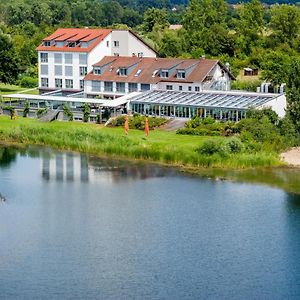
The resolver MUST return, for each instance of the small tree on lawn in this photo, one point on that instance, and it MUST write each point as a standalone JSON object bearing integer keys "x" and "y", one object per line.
{"x": 68, "y": 113}
{"x": 26, "y": 109}
{"x": 86, "y": 112}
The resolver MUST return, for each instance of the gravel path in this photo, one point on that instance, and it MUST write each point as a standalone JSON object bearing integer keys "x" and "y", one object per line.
{"x": 292, "y": 157}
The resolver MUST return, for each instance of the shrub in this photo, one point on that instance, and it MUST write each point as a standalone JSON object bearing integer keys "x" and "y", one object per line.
{"x": 67, "y": 112}
{"x": 235, "y": 145}
{"x": 212, "y": 146}
{"x": 28, "y": 82}
{"x": 26, "y": 109}
{"x": 86, "y": 112}
{"x": 138, "y": 122}
{"x": 41, "y": 111}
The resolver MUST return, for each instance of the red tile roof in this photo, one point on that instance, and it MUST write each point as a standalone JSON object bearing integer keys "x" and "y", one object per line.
{"x": 196, "y": 69}
{"x": 75, "y": 35}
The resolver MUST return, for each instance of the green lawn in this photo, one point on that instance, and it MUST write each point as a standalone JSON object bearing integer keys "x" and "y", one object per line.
{"x": 161, "y": 146}
{"x": 13, "y": 89}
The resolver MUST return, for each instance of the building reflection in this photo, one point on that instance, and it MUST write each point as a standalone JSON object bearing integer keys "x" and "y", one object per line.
{"x": 73, "y": 167}
{"x": 65, "y": 167}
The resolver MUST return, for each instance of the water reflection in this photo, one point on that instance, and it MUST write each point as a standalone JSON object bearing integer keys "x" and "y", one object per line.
{"x": 7, "y": 156}
{"x": 64, "y": 167}
{"x": 74, "y": 167}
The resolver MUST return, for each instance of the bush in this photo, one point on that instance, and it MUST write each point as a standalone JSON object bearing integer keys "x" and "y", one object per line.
{"x": 41, "y": 111}
{"x": 244, "y": 85}
{"x": 138, "y": 122}
{"x": 235, "y": 145}
{"x": 26, "y": 109}
{"x": 28, "y": 82}
{"x": 213, "y": 146}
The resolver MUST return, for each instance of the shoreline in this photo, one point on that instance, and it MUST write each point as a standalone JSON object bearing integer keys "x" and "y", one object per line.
{"x": 292, "y": 157}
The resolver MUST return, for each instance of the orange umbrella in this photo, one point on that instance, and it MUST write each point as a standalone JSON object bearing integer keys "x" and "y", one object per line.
{"x": 147, "y": 127}
{"x": 126, "y": 125}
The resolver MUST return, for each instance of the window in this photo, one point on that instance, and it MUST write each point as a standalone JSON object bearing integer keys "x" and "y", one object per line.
{"x": 107, "y": 43}
{"x": 71, "y": 44}
{"x": 68, "y": 71}
{"x": 121, "y": 87}
{"x": 69, "y": 83}
{"x": 108, "y": 86}
{"x": 97, "y": 71}
{"x": 181, "y": 74}
{"x": 57, "y": 58}
{"x": 44, "y": 69}
{"x": 197, "y": 89}
{"x": 164, "y": 73}
{"x": 138, "y": 72}
{"x": 58, "y": 70}
{"x": 169, "y": 87}
{"x": 140, "y": 54}
{"x": 180, "y": 88}
{"x": 116, "y": 54}
{"x": 68, "y": 58}
{"x": 82, "y": 59}
{"x": 81, "y": 84}
{"x": 132, "y": 87}
{"x": 96, "y": 86}
{"x": 47, "y": 43}
{"x": 44, "y": 82}
{"x": 58, "y": 83}
{"x": 190, "y": 88}
{"x": 82, "y": 71}
{"x": 145, "y": 87}
{"x": 44, "y": 57}
{"x": 122, "y": 72}
{"x": 116, "y": 44}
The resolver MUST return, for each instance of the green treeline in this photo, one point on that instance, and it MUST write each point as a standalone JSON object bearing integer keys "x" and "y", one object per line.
{"x": 246, "y": 35}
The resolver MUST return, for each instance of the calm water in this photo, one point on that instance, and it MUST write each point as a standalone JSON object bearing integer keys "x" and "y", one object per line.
{"x": 75, "y": 227}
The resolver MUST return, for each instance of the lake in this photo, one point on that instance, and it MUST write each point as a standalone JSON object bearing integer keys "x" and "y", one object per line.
{"x": 80, "y": 227}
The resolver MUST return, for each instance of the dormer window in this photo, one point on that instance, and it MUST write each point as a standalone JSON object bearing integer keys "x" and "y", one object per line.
{"x": 73, "y": 44}
{"x": 122, "y": 72}
{"x": 97, "y": 71}
{"x": 47, "y": 43}
{"x": 154, "y": 73}
{"x": 181, "y": 74}
{"x": 164, "y": 73}
{"x": 138, "y": 72}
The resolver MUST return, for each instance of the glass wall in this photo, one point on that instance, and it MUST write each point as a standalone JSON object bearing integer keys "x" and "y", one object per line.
{"x": 180, "y": 111}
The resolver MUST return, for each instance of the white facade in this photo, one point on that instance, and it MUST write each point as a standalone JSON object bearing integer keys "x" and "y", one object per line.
{"x": 68, "y": 72}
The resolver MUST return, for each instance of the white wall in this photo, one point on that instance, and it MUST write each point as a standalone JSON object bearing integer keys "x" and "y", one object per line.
{"x": 278, "y": 105}
{"x": 129, "y": 44}
{"x": 51, "y": 70}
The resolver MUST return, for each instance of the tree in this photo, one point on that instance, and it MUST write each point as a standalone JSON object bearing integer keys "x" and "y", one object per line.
{"x": 26, "y": 109}
{"x": 86, "y": 112}
{"x": 249, "y": 25}
{"x": 155, "y": 17}
{"x": 9, "y": 67}
{"x": 171, "y": 44}
{"x": 293, "y": 93}
{"x": 276, "y": 66}
{"x": 205, "y": 27}
{"x": 285, "y": 23}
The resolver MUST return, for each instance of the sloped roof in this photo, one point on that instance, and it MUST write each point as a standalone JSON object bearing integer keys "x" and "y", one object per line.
{"x": 209, "y": 99}
{"x": 198, "y": 69}
{"x": 95, "y": 36}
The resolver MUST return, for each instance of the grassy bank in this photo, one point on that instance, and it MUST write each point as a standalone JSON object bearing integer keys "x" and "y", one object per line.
{"x": 6, "y": 89}
{"x": 160, "y": 146}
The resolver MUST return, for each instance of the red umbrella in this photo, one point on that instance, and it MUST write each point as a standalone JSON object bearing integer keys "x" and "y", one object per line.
{"x": 147, "y": 127}
{"x": 126, "y": 125}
